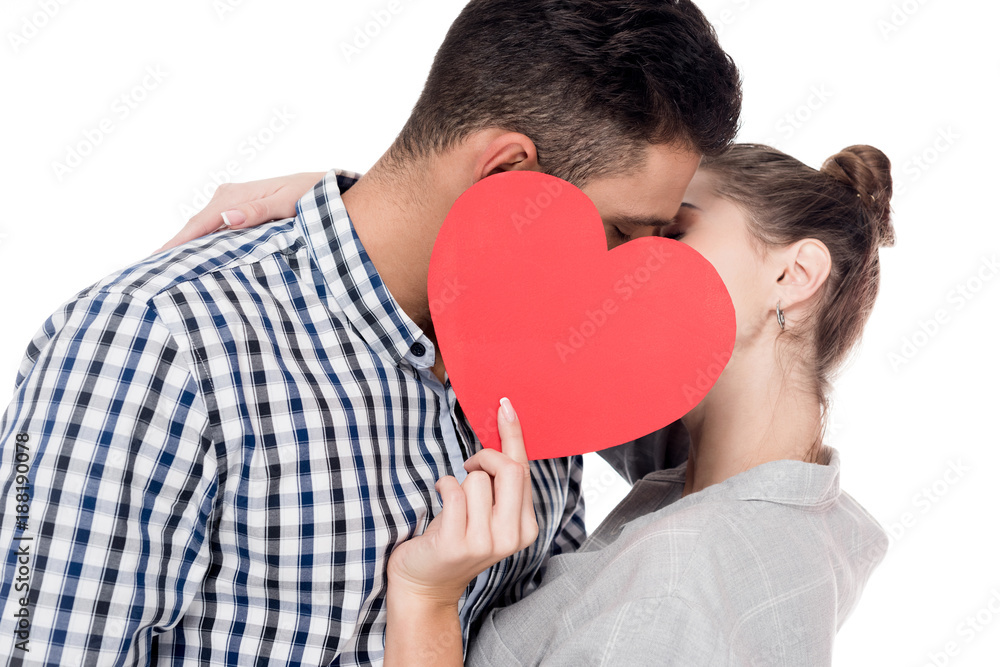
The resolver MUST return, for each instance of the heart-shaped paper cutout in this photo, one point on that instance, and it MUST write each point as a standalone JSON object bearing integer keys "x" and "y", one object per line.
{"x": 593, "y": 348}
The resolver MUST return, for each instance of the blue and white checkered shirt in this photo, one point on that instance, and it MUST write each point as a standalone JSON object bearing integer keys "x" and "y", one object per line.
{"x": 210, "y": 456}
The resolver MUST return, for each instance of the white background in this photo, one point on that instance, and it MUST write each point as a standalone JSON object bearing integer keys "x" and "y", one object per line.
{"x": 916, "y": 79}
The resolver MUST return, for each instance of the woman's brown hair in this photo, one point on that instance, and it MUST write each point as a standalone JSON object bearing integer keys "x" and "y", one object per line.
{"x": 845, "y": 204}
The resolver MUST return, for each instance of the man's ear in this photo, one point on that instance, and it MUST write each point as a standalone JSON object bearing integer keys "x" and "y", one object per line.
{"x": 511, "y": 151}
{"x": 805, "y": 266}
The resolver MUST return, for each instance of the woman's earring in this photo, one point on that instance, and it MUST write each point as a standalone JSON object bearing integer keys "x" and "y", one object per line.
{"x": 781, "y": 316}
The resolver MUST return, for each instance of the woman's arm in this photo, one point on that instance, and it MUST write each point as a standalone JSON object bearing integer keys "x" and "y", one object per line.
{"x": 247, "y": 205}
{"x": 483, "y": 520}
{"x": 420, "y": 632}
{"x": 422, "y": 627}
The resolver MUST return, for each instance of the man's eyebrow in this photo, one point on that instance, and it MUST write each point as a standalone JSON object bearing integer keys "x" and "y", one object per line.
{"x": 638, "y": 221}
{"x": 642, "y": 221}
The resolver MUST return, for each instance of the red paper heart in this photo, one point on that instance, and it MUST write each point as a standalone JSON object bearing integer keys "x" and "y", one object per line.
{"x": 593, "y": 348}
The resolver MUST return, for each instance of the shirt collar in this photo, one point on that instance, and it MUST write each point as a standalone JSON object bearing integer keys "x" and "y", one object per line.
{"x": 785, "y": 482}
{"x": 351, "y": 277}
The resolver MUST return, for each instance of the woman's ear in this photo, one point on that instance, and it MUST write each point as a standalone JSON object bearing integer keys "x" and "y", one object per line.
{"x": 805, "y": 266}
{"x": 511, "y": 151}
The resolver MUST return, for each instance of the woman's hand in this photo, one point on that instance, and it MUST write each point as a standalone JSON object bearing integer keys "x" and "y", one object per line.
{"x": 483, "y": 520}
{"x": 247, "y": 205}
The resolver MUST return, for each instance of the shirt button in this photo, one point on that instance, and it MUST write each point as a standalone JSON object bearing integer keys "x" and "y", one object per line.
{"x": 418, "y": 349}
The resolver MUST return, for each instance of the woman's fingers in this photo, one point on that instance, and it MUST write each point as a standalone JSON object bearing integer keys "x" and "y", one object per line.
{"x": 454, "y": 512}
{"x": 513, "y": 446}
{"x": 483, "y": 520}
{"x": 514, "y": 525}
{"x": 227, "y": 197}
{"x": 478, "y": 488}
{"x": 510, "y": 432}
{"x": 511, "y": 440}
{"x": 243, "y": 205}
{"x": 511, "y": 480}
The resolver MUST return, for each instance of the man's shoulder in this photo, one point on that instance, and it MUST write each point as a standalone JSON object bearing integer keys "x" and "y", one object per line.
{"x": 123, "y": 302}
{"x": 196, "y": 260}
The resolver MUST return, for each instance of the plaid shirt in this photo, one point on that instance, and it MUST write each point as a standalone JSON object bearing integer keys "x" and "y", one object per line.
{"x": 210, "y": 456}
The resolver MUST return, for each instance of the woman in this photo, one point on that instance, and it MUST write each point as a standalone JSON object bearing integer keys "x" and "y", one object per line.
{"x": 749, "y": 554}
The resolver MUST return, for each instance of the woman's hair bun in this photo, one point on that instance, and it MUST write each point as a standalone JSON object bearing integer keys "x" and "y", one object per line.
{"x": 868, "y": 172}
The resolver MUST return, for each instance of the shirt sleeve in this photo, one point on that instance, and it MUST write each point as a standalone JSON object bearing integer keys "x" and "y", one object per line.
{"x": 645, "y": 631}
{"x": 107, "y": 484}
{"x": 664, "y": 449}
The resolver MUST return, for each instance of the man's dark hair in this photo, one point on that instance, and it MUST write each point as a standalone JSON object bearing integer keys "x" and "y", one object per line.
{"x": 592, "y": 82}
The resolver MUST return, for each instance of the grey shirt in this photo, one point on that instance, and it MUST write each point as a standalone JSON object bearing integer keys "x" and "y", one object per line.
{"x": 761, "y": 569}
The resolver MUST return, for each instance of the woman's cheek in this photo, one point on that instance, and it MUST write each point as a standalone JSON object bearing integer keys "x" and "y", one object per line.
{"x": 738, "y": 275}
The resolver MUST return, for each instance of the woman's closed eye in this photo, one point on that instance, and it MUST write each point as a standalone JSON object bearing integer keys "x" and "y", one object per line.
{"x": 680, "y": 225}
{"x": 674, "y": 231}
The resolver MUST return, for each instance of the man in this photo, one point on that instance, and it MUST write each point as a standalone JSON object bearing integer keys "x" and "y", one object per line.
{"x": 211, "y": 454}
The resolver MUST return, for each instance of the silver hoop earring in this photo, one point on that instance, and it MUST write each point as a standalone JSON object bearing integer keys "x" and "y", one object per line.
{"x": 781, "y": 316}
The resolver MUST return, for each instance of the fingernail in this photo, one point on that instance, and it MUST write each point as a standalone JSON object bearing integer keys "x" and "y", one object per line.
{"x": 508, "y": 410}
{"x": 233, "y": 218}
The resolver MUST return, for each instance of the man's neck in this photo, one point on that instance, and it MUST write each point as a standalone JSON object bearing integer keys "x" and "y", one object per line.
{"x": 397, "y": 225}
{"x": 397, "y": 215}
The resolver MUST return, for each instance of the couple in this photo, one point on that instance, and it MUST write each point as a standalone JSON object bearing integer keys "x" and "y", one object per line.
{"x": 247, "y": 449}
